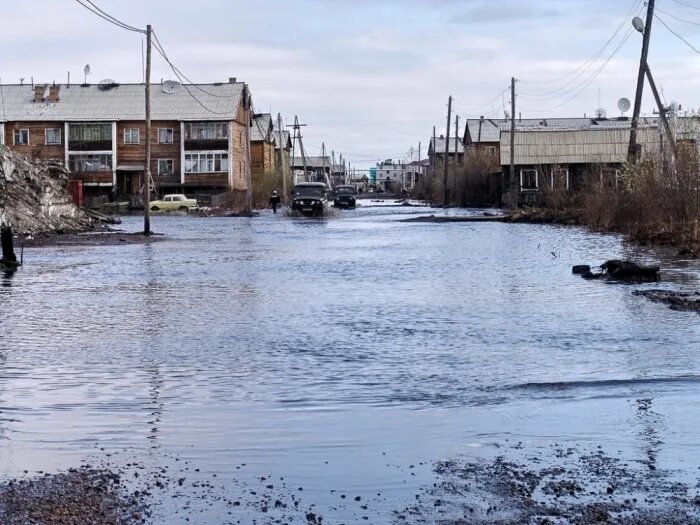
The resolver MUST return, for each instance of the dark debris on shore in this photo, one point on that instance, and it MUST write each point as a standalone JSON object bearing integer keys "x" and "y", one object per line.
{"x": 557, "y": 486}
{"x": 82, "y": 496}
{"x": 680, "y": 301}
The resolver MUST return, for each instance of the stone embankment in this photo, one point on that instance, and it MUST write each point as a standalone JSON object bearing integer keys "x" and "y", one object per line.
{"x": 34, "y": 197}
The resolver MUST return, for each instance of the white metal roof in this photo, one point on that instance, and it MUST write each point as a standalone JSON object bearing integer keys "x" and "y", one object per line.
{"x": 440, "y": 145}
{"x": 123, "y": 102}
{"x": 261, "y": 127}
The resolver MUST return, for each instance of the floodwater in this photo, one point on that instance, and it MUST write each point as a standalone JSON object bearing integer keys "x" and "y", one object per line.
{"x": 344, "y": 356}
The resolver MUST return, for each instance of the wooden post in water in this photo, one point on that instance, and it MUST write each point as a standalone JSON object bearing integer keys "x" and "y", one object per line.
{"x": 8, "y": 252}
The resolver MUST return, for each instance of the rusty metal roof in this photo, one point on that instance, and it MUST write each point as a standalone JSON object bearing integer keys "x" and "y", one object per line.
{"x": 123, "y": 102}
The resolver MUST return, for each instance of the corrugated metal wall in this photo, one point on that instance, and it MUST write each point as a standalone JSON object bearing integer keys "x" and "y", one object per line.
{"x": 575, "y": 146}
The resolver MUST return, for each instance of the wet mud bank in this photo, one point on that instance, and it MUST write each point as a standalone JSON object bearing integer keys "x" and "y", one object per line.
{"x": 92, "y": 238}
{"x": 680, "y": 301}
{"x": 558, "y": 485}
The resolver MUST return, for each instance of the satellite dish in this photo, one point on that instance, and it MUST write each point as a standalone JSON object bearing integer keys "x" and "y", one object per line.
{"x": 170, "y": 87}
{"x": 623, "y": 105}
{"x": 601, "y": 113}
{"x": 638, "y": 24}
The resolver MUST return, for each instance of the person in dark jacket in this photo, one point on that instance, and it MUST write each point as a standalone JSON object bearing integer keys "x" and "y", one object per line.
{"x": 274, "y": 201}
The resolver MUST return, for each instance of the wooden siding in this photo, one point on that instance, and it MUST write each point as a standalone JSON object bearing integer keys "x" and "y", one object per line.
{"x": 135, "y": 154}
{"x": 37, "y": 147}
{"x": 238, "y": 157}
{"x": 213, "y": 180}
{"x": 606, "y": 146}
{"x": 262, "y": 158}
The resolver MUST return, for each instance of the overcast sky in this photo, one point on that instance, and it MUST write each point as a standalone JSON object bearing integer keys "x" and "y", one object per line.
{"x": 369, "y": 77}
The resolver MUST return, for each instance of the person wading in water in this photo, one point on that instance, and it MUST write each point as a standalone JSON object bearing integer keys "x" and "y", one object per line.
{"x": 274, "y": 201}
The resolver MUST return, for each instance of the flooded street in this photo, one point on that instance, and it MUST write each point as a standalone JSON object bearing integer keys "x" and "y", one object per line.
{"x": 339, "y": 357}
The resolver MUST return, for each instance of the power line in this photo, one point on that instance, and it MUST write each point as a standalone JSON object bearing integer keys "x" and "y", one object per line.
{"x": 592, "y": 77}
{"x": 691, "y": 46}
{"x": 588, "y": 63}
{"x": 665, "y": 13}
{"x": 687, "y": 5}
{"x": 109, "y": 18}
{"x": 182, "y": 79}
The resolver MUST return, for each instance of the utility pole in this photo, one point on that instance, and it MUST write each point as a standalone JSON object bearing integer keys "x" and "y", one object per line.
{"x": 432, "y": 161}
{"x": 147, "y": 185}
{"x": 283, "y": 160}
{"x": 248, "y": 173}
{"x": 447, "y": 151}
{"x": 662, "y": 110}
{"x": 514, "y": 185}
{"x": 333, "y": 165}
{"x": 454, "y": 174}
{"x": 632, "y": 150}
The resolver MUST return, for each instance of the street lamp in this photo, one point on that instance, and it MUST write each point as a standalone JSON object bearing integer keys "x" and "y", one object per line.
{"x": 638, "y": 24}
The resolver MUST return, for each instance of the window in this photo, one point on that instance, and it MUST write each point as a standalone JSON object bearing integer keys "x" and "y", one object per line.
{"x": 206, "y": 162}
{"x": 21, "y": 136}
{"x": 52, "y": 136}
{"x": 90, "y": 132}
{"x": 206, "y": 130}
{"x": 560, "y": 179}
{"x": 490, "y": 151}
{"x": 131, "y": 136}
{"x": 165, "y": 135}
{"x": 528, "y": 180}
{"x": 89, "y": 163}
{"x": 165, "y": 167}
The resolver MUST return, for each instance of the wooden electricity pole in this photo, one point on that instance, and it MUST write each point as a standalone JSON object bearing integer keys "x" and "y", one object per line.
{"x": 454, "y": 174}
{"x": 147, "y": 174}
{"x": 283, "y": 160}
{"x": 632, "y": 150}
{"x": 248, "y": 172}
{"x": 514, "y": 185}
{"x": 447, "y": 151}
{"x": 433, "y": 160}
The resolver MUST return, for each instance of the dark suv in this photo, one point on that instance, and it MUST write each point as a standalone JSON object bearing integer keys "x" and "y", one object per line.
{"x": 310, "y": 199}
{"x": 344, "y": 197}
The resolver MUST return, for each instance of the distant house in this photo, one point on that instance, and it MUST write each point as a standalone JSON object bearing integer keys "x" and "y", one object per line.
{"x": 312, "y": 169}
{"x": 415, "y": 171}
{"x": 454, "y": 147}
{"x": 282, "y": 149}
{"x": 571, "y": 154}
{"x": 262, "y": 145}
{"x": 198, "y": 146}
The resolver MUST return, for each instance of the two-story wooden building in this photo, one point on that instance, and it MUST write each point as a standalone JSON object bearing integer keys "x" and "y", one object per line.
{"x": 198, "y": 135}
{"x": 262, "y": 145}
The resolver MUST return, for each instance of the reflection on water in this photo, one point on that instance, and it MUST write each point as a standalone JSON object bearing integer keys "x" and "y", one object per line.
{"x": 316, "y": 350}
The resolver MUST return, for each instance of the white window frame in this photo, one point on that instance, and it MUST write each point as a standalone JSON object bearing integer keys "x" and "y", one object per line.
{"x": 171, "y": 135}
{"x": 46, "y": 137}
{"x": 537, "y": 179}
{"x": 171, "y": 171}
{"x": 490, "y": 151}
{"x": 14, "y": 137}
{"x": 560, "y": 170}
{"x": 130, "y": 131}
{"x": 2, "y": 133}
{"x": 214, "y": 154}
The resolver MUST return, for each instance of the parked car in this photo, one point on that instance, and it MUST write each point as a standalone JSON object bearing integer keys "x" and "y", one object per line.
{"x": 344, "y": 197}
{"x": 174, "y": 202}
{"x": 309, "y": 198}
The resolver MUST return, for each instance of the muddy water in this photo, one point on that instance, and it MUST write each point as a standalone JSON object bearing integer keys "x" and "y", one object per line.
{"x": 344, "y": 356}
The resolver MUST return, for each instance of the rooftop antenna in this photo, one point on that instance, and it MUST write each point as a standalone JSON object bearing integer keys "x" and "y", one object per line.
{"x": 86, "y": 70}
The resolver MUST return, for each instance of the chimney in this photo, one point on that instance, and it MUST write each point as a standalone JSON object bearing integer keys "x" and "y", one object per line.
{"x": 53, "y": 94}
{"x": 231, "y": 80}
{"x": 38, "y": 93}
